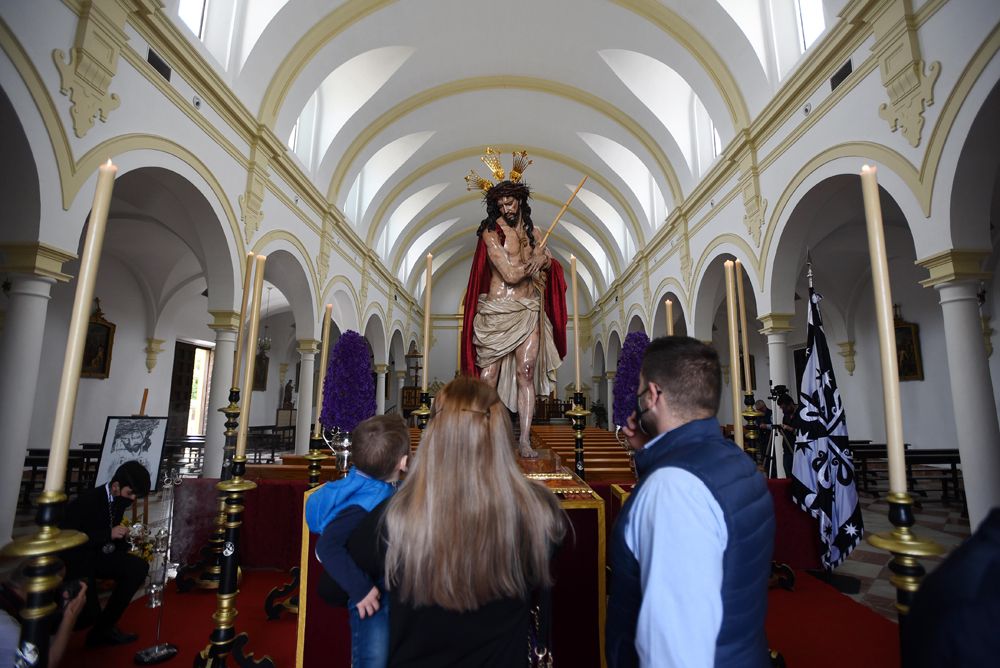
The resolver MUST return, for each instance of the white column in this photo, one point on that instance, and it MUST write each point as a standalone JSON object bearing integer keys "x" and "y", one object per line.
{"x": 776, "y": 328}
{"x": 225, "y": 326}
{"x": 303, "y": 417}
{"x": 380, "y": 373}
{"x": 610, "y": 375}
{"x": 400, "y": 384}
{"x": 20, "y": 353}
{"x": 972, "y": 397}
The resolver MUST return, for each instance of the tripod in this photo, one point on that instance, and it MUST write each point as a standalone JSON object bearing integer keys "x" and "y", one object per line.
{"x": 773, "y": 460}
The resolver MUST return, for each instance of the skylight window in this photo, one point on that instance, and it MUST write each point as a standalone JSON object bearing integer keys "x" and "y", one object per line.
{"x": 811, "y": 22}
{"x": 192, "y": 13}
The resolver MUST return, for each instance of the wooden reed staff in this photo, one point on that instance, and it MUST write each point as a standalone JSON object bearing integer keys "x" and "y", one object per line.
{"x": 563, "y": 210}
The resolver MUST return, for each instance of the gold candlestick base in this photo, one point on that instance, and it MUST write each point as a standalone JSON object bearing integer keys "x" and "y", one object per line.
{"x": 315, "y": 457}
{"x": 905, "y": 547}
{"x": 44, "y": 573}
{"x": 424, "y": 412}
{"x": 578, "y": 416}
{"x": 205, "y": 573}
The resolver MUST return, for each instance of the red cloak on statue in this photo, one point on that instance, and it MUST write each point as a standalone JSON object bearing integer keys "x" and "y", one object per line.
{"x": 479, "y": 283}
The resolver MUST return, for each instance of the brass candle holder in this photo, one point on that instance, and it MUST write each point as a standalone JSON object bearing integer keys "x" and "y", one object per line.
{"x": 424, "y": 412}
{"x": 44, "y": 575}
{"x": 205, "y": 573}
{"x": 316, "y": 456}
{"x": 224, "y": 640}
{"x": 905, "y": 547}
{"x": 578, "y": 416}
{"x": 750, "y": 433}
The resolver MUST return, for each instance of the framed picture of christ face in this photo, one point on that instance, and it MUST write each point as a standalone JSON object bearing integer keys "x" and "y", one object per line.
{"x": 137, "y": 437}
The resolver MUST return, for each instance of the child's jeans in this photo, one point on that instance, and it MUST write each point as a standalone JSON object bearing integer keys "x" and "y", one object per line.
{"x": 370, "y": 636}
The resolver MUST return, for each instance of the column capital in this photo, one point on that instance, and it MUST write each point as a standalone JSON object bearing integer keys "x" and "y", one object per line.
{"x": 610, "y": 375}
{"x": 307, "y": 346}
{"x": 381, "y": 368}
{"x": 847, "y": 351}
{"x": 36, "y": 259}
{"x": 954, "y": 266}
{"x": 775, "y": 323}
{"x": 400, "y": 375}
{"x": 224, "y": 320}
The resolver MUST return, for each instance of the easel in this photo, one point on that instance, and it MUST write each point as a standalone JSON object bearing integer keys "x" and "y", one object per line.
{"x": 145, "y": 499}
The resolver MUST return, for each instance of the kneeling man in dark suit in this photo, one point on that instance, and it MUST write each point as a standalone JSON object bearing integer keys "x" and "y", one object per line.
{"x": 98, "y": 513}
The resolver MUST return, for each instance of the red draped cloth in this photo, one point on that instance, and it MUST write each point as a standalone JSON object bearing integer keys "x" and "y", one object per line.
{"x": 479, "y": 283}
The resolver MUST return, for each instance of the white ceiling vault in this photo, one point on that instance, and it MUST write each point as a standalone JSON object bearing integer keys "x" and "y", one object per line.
{"x": 388, "y": 104}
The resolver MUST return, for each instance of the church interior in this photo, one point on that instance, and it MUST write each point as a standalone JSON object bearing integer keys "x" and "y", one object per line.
{"x": 333, "y": 138}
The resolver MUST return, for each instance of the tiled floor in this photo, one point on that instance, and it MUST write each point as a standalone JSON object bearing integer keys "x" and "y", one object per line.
{"x": 937, "y": 520}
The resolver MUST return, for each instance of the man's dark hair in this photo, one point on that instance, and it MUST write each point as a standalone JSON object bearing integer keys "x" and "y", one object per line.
{"x": 379, "y": 443}
{"x": 785, "y": 400}
{"x": 133, "y": 474}
{"x": 518, "y": 191}
{"x": 688, "y": 372}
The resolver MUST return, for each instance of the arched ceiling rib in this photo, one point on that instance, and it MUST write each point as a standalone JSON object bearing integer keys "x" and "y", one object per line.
{"x": 421, "y": 92}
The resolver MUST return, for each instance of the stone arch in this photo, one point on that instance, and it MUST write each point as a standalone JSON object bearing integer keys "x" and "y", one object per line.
{"x": 614, "y": 349}
{"x": 668, "y": 289}
{"x": 599, "y": 392}
{"x": 635, "y": 322}
{"x": 975, "y": 178}
{"x": 286, "y": 270}
{"x": 375, "y": 334}
{"x": 19, "y": 186}
{"x": 895, "y": 174}
{"x": 345, "y": 303}
{"x": 711, "y": 285}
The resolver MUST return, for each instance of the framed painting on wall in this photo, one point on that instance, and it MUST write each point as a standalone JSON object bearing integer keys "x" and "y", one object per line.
{"x": 126, "y": 438}
{"x": 97, "y": 347}
{"x": 911, "y": 365}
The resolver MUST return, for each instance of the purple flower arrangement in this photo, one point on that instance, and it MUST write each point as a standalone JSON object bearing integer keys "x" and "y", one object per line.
{"x": 627, "y": 376}
{"x": 349, "y": 388}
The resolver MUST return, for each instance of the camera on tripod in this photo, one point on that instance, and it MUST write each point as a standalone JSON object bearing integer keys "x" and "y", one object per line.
{"x": 778, "y": 391}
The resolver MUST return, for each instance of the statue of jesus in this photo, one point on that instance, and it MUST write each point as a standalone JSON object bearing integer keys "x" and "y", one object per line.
{"x": 514, "y": 334}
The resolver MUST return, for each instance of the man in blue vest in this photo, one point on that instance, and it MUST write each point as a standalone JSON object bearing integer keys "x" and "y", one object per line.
{"x": 691, "y": 549}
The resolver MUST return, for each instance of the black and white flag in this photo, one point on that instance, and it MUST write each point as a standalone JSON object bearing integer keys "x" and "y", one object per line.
{"x": 822, "y": 469}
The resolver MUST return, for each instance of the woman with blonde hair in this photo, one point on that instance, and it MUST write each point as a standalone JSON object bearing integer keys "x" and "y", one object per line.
{"x": 468, "y": 539}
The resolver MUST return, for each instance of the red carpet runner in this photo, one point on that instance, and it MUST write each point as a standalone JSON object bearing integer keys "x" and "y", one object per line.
{"x": 187, "y": 623}
{"x": 814, "y": 627}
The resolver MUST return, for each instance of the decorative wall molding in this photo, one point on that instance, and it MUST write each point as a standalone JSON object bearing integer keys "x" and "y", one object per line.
{"x": 909, "y": 84}
{"x": 988, "y": 335}
{"x": 85, "y": 76}
{"x": 252, "y": 200}
{"x": 325, "y": 246}
{"x": 847, "y": 352}
{"x": 153, "y": 349}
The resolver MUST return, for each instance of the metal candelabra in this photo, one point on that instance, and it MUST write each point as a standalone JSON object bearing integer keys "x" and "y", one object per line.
{"x": 205, "y": 573}
{"x": 223, "y": 640}
{"x": 578, "y": 415}
{"x": 44, "y": 573}
{"x": 424, "y": 412}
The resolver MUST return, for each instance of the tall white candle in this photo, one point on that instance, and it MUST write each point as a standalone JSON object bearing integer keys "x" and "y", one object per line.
{"x": 247, "y": 273}
{"x": 738, "y": 270}
{"x": 670, "y": 317}
{"x": 323, "y": 354}
{"x": 251, "y": 355}
{"x": 55, "y": 475}
{"x": 427, "y": 321}
{"x": 886, "y": 331}
{"x": 734, "y": 354}
{"x": 576, "y": 321}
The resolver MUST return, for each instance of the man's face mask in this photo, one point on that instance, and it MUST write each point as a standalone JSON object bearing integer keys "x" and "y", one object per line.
{"x": 640, "y": 411}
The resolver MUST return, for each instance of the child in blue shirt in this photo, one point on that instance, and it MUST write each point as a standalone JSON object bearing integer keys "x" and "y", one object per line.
{"x": 380, "y": 452}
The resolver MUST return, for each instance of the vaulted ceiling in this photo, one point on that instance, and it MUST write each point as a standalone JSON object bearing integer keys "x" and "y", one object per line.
{"x": 388, "y": 104}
